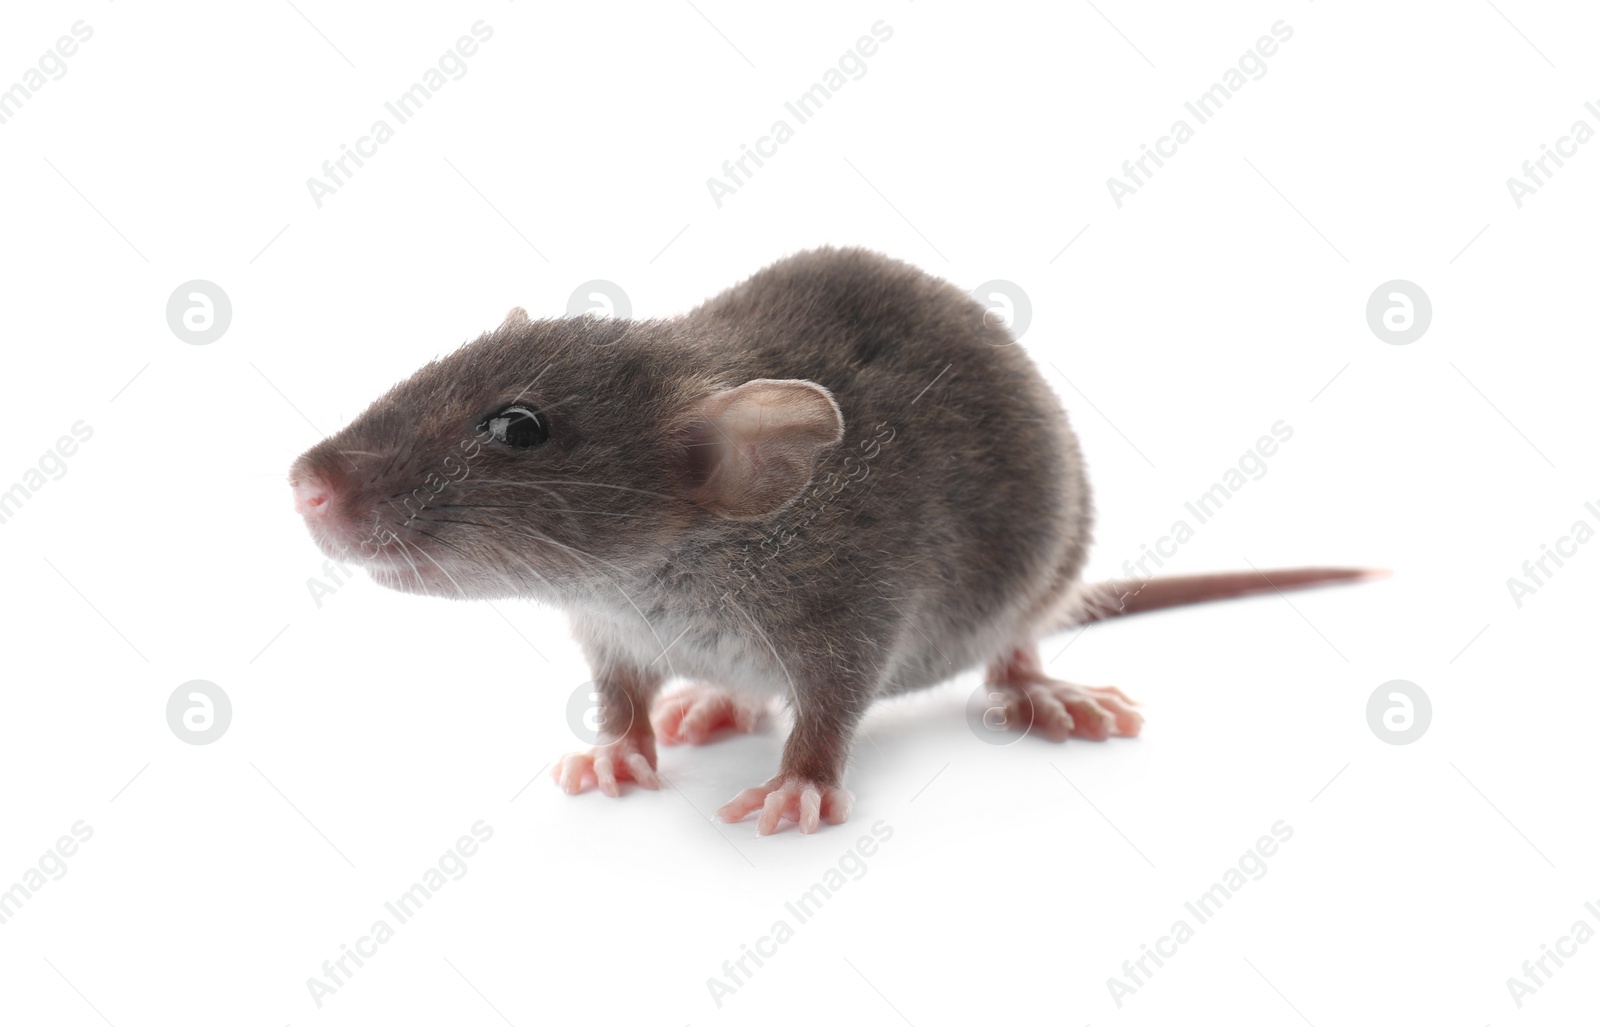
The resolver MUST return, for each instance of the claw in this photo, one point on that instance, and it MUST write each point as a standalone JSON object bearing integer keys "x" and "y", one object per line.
{"x": 807, "y": 803}
{"x": 694, "y": 713}
{"x": 1061, "y": 710}
{"x": 626, "y": 759}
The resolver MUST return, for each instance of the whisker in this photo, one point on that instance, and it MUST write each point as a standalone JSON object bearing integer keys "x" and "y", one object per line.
{"x": 608, "y": 513}
{"x": 424, "y": 554}
{"x": 410, "y": 561}
{"x": 513, "y": 506}
{"x": 590, "y": 556}
{"x": 447, "y": 520}
{"x": 535, "y": 381}
{"x": 466, "y": 485}
{"x": 442, "y": 542}
{"x": 480, "y": 506}
{"x": 547, "y": 540}
{"x": 518, "y": 557}
{"x": 482, "y": 483}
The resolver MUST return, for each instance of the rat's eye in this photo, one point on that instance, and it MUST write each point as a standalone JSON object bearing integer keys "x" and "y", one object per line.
{"x": 517, "y": 426}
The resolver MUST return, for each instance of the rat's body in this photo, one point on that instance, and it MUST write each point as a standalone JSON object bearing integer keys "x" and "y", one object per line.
{"x": 834, "y": 482}
{"x": 955, "y": 507}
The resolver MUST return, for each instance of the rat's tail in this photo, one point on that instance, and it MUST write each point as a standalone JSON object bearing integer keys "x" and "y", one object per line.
{"x": 1109, "y": 599}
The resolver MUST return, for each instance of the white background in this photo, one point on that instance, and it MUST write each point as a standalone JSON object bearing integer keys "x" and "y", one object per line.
{"x": 1227, "y": 294}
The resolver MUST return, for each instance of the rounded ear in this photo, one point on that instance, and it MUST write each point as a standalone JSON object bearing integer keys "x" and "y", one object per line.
{"x": 752, "y": 447}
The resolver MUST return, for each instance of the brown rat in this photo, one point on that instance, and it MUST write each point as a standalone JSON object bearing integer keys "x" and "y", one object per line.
{"x": 835, "y": 482}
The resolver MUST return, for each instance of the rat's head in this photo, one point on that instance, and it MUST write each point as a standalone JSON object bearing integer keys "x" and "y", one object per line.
{"x": 555, "y": 457}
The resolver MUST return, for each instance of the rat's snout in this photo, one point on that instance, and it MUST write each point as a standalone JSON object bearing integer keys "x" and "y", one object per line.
{"x": 315, "y": 486}
{"x": 322, "y": 497}
{"x": 313, "y": 496}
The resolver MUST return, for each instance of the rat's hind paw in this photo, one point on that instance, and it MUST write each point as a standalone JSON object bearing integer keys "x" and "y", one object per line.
{"x": 692, "y": 714}
{"x": 805, "y": 802}
{"x": 627, "y": 759}
{"x": 1059, "y": 710}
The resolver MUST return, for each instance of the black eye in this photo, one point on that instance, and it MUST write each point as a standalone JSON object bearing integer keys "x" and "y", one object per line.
{"x": 518, "y": 427}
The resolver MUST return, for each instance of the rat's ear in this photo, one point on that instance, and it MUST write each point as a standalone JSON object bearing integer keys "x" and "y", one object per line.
{"x": 751, "y": 448}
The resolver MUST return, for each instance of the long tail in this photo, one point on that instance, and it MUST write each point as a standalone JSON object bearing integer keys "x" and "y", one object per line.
{"x": 1119, "y": 598}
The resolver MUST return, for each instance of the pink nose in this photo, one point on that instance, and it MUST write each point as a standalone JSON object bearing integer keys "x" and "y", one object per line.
{"x": 312, "y": 497}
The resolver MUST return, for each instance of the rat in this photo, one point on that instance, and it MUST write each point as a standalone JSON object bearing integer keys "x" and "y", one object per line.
{"x": 835, "y": 482}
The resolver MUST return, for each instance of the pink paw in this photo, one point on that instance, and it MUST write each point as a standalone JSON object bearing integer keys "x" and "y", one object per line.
{"x": 1060, "y": 710}
{"x": 692, "y": 714}
{"x": 629, "y": 758}
{"x": 805, "y": 802}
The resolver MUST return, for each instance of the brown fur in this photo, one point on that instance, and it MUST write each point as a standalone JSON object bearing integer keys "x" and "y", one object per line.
{"x": 947, "y": 527}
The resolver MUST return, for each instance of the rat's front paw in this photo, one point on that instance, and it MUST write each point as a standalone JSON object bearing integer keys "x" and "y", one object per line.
{"x": 629, "y": 758}
{"x": 805, "y": 802}
{"x": 693, "y": 713}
